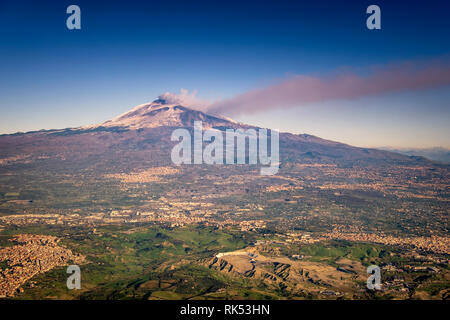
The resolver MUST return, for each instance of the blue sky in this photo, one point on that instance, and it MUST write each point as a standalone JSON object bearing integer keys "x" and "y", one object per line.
{"x": 128, "y": 52}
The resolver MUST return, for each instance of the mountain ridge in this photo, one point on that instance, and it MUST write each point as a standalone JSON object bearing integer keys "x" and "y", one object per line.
{"x": 149, "y": 124}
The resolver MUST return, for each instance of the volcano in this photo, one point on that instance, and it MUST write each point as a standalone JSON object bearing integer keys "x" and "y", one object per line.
{"x": 146, "y": 129}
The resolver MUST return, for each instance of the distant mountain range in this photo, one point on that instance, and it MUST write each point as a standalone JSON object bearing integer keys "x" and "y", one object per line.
{"x": 435, "y": 154}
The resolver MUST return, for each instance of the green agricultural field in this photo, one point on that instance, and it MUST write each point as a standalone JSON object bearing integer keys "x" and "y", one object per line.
{"x": 121, "y": 259}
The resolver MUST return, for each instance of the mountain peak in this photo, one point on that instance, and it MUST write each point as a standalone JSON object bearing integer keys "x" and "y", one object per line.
{"x": 160, "y": 101}
{"x": 161, "y": 113}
